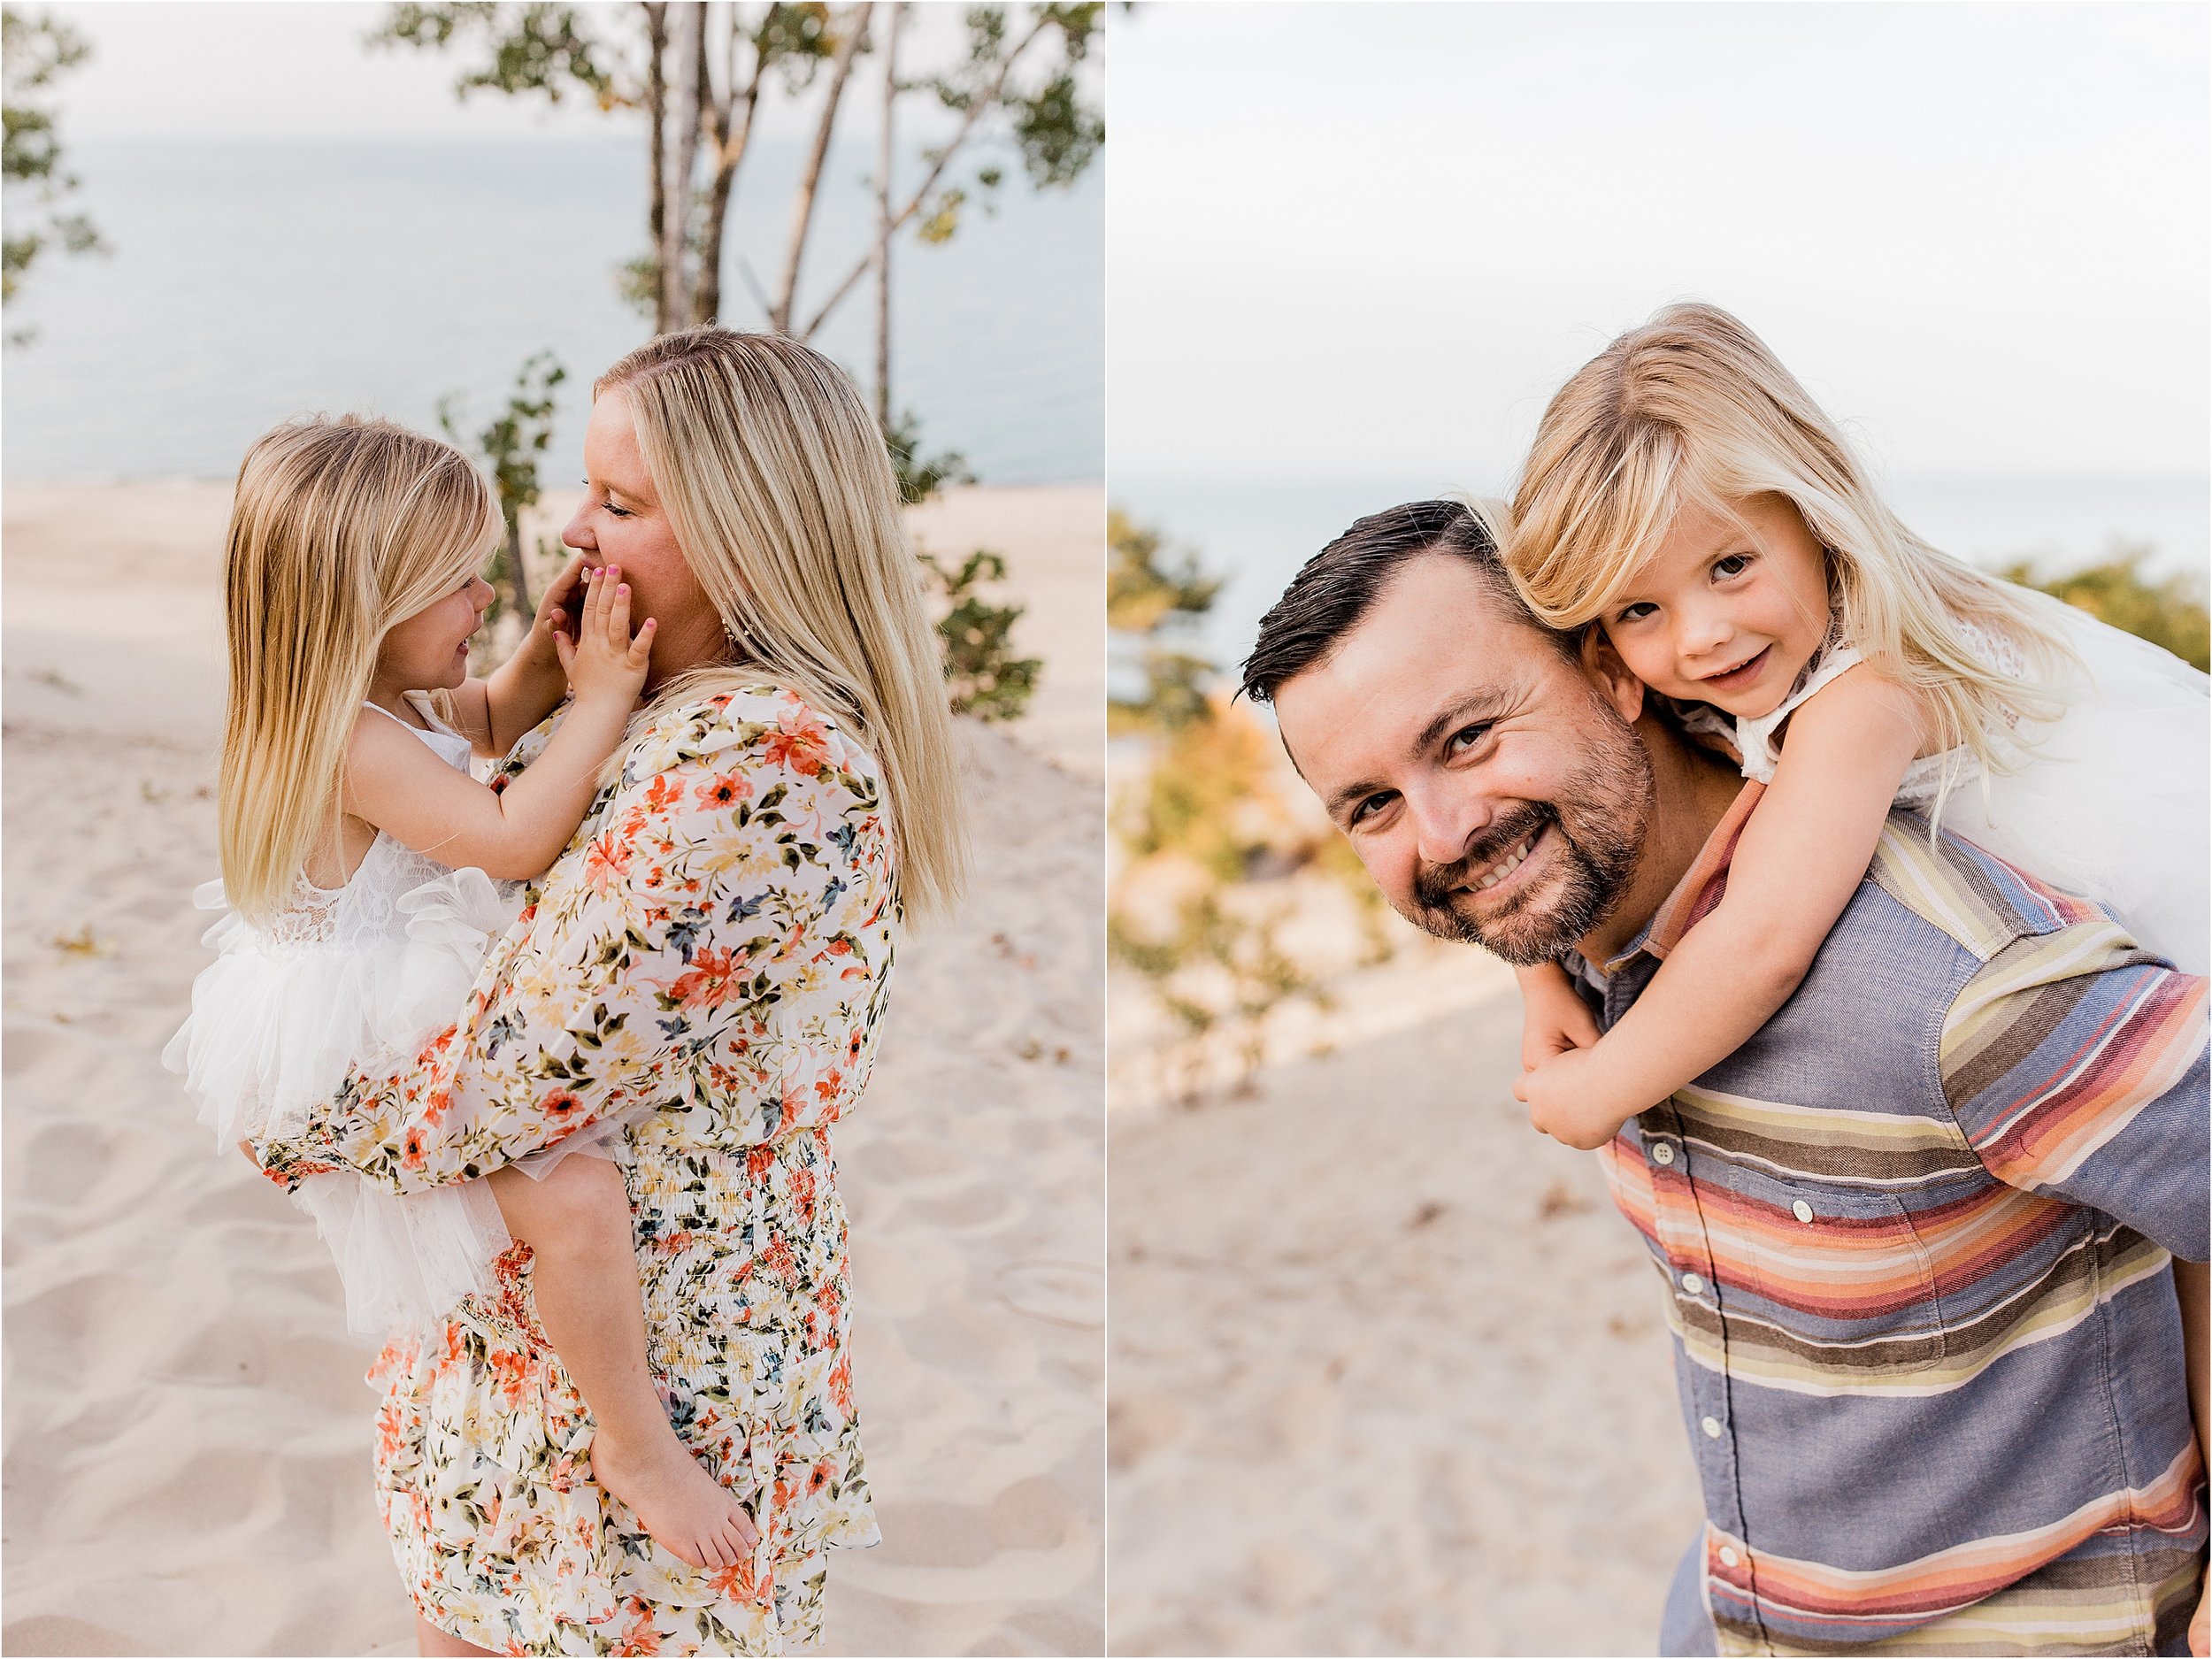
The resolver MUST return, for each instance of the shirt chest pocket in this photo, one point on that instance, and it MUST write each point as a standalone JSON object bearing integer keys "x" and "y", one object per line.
{"x": 1834, "y": 1266}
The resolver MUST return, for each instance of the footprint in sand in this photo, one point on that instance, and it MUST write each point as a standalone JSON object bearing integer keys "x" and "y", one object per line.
{"x": 1070, "y": 1294}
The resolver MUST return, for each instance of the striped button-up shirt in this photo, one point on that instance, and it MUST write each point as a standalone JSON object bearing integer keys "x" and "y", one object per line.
{"x": 1915, "y": 1238}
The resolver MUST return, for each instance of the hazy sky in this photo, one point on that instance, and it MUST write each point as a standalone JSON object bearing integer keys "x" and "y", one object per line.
{"x": 1372, "y": 240}
{"x": 286, "y": 68}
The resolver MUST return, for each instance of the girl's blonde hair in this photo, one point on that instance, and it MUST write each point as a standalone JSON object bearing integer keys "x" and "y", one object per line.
{"x": 1694, "y": 408}
{"x": 338, "y": 529}
{"x": 779, "y": 491}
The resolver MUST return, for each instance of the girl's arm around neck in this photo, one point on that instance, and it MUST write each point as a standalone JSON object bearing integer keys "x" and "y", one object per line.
{"x": 1803, "y": 854}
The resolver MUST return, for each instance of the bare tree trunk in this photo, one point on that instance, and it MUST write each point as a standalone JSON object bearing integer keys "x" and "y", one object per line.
{"x": 657, "y": 105}
{"x": 802, "y": 206}
{"x": 943, "y": 158}
{"x": 733, "y": 128}
{"x": 883, "y": 217}
{"x": 687, "y": 23}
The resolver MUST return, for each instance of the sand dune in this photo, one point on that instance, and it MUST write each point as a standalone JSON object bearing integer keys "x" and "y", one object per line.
{"x": 1389, "y": 1374}
{"x": 187, "y": 1434}
{"x": 1054, "y": 538}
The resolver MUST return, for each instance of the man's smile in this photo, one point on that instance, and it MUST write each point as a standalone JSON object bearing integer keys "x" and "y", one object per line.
{"x": 1506, "y": 872}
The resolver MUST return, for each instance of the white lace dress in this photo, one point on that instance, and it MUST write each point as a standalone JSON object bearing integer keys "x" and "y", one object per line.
{"x": 2112, "y": 799}
{"x": 355, "y": 975}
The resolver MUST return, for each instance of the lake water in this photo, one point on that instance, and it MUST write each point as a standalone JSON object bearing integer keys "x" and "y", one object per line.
{"x": 1256, "y": 533}
{"x": 252, "y": 280}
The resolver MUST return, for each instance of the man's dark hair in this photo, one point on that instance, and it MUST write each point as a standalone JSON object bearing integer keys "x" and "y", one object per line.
{"x": 1340, "y": 585}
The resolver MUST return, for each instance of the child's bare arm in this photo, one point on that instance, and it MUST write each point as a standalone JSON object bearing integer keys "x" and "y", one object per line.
{"x": 1803, "y": 854}
{"x": 472, "y": 715}
{"x": 530, "y": 684}
{"x": 1554, "y": 1019}
{"x": 395, "y": 783}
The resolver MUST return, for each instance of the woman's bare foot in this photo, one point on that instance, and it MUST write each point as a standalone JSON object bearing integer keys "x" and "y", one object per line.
{"x": 675, "y": 1498}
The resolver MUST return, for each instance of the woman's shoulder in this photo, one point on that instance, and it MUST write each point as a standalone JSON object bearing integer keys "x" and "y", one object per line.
{"x": 755, "y": 726}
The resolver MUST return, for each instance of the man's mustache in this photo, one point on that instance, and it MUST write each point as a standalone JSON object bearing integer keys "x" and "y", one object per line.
{"x": 1433, "y": 885}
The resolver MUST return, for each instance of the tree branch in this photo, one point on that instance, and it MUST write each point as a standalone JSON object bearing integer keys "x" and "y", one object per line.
{"x": 802, "y": 206}
{"x": 657, "y": 108}
{"x": 976, "y": 112}
{"x": 732, "y": 130}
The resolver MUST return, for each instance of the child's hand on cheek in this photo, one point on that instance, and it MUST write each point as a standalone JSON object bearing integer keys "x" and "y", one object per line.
{"x": 558, "y": 608}
{"x": 605, "y": 662}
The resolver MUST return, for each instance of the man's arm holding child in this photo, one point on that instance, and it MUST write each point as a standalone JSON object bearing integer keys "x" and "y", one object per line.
{"x": 2193, "y": 1283}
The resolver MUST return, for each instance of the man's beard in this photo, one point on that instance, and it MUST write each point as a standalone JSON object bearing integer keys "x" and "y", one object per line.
{"x": 1600, "y": 812}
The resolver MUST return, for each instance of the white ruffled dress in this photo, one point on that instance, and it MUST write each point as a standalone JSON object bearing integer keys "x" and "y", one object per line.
{"x": 2112, "y": 799}
{"x": 344, "y": 977}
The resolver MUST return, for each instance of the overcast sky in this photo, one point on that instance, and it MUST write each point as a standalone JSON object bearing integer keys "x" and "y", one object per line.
{"x": 1369, "y": 239}
{"x": 291, "y": 69}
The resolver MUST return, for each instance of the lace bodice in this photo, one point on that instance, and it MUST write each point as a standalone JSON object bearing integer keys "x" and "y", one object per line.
{"x": 365, "y": 909}
{"x": 365, "y": 973}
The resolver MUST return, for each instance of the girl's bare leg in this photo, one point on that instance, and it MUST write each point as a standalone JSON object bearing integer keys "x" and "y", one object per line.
{"x": 577, "y": 1224}
{"x": 433, "y": 1643}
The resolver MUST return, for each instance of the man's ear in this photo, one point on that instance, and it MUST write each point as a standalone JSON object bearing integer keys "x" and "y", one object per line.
{"x": 1610, "y": 675}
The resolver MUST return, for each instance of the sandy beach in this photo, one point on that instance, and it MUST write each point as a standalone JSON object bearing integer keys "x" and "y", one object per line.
{"x": 186, "y": 1433}
{"x": 1389, "y": 1372}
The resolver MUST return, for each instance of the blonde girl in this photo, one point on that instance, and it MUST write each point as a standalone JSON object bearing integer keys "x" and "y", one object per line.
{"x": 1687, "y": 497}
{"x": 359, "y": 859}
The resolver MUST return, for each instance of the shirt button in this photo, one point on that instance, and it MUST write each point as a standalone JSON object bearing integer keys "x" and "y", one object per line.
{"x": 1729, "y": 1557}
{"x": 1802, "y": 1210}
{"x": 1711, "y": 1425}
{"x": 1692, "y": 1283}
{"x": 1662, "y": 1154}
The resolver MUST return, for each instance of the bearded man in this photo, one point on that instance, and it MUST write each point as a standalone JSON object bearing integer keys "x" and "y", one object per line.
{"x": 1918, "y": 1235}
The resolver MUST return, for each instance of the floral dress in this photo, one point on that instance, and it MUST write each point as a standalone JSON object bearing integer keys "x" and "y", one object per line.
{"x": 705, "y": 964}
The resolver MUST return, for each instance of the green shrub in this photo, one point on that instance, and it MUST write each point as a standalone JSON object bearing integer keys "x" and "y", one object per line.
{"x": 2169, "y": 613}
{"x": 986, "y": 679}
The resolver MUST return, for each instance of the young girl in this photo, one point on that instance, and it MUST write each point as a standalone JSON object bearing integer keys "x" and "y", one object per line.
{"x": 1688, "y": 497}
{"x": 358, "y": 857}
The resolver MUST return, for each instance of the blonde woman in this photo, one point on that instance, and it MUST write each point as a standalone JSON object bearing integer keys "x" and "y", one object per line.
{"x": 359, "y": 852}
{"x": 715, "y": 945}
{"x": 1687, "y": 497}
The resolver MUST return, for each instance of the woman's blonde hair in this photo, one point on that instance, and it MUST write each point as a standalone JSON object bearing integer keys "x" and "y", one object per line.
{"x": 1693, "y": 407}
{"x": 339, "y": 528}
{"x": 779, "y": 491}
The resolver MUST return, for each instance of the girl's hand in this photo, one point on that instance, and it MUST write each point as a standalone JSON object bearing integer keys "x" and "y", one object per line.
{"x": 555, "y": 619}
{"x": 604, "y": 662}
{"x": 1566, "y": 1102}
